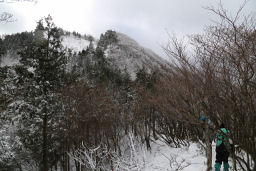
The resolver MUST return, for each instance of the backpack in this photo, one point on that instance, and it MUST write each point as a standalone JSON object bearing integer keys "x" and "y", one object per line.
{"x": 222, "y": 137}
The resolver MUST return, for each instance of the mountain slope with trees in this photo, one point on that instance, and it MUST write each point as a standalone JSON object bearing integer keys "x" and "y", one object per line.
{"x": 62, "y": 108}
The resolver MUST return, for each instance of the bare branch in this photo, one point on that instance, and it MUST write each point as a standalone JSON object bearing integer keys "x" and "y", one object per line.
{"x": 6, "y": 17}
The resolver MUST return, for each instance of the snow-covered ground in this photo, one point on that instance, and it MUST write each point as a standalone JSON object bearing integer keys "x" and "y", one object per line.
{"x": 165, "y": 158}
{"x": 161, "y": 157}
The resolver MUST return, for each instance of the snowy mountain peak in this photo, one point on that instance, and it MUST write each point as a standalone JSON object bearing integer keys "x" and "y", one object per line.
{"x": 128, "y": 55}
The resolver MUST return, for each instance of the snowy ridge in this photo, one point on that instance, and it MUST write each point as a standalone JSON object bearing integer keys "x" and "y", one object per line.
{"x": 125, "y": 54}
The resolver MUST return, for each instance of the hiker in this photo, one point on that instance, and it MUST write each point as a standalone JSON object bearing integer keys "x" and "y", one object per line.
{"x": 222, "y": 148}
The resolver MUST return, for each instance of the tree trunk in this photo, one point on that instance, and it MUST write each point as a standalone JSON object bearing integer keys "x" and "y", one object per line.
{"x": 208, "y": 146}
{"x": 234, "y": 160}
{"x": 45, "y": 144}
{"x": 147, "y": 138}
{"x": 67, "y": 162}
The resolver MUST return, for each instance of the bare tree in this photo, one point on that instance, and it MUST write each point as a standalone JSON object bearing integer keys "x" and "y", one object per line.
{"x": 217, "y": 81}
{"x": 94, "y": 117}
{"x": 8, "y": 17}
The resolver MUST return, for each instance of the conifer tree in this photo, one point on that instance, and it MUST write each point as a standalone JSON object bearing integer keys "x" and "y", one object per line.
{"x": 42, "y": 72}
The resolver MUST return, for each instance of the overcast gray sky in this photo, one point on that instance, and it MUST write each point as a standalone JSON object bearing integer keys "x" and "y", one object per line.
{"x": 146, "y": 21}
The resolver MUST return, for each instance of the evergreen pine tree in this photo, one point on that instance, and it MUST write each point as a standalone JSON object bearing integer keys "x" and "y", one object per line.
{"x": 43, "y": 73}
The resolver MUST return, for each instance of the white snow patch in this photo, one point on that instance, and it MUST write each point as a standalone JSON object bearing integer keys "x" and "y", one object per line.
{"x": 9, "y": 60}
{"x": 75, "y": 43}
{"x": 31, "y": 69}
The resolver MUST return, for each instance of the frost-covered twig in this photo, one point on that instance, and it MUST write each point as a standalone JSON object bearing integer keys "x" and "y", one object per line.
{"x": 175, "y": 164}
{"x": 102, "y": 158}
{"x": 6, "y": 17}
{"x": 93, "y": 158}
{"x": 133, "y": 160}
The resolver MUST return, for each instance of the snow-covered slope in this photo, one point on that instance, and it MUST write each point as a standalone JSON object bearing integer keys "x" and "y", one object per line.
{"x": 71, "y": 41}
{"x": 74, "y": 42}
{"x": 128, "y": 55}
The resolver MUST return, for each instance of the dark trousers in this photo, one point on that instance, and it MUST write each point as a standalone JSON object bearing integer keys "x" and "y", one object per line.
{"x": 222, "y": 154}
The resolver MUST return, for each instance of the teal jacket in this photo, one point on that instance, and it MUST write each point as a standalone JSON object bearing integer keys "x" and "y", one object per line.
{"x": 222, "y": 137}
